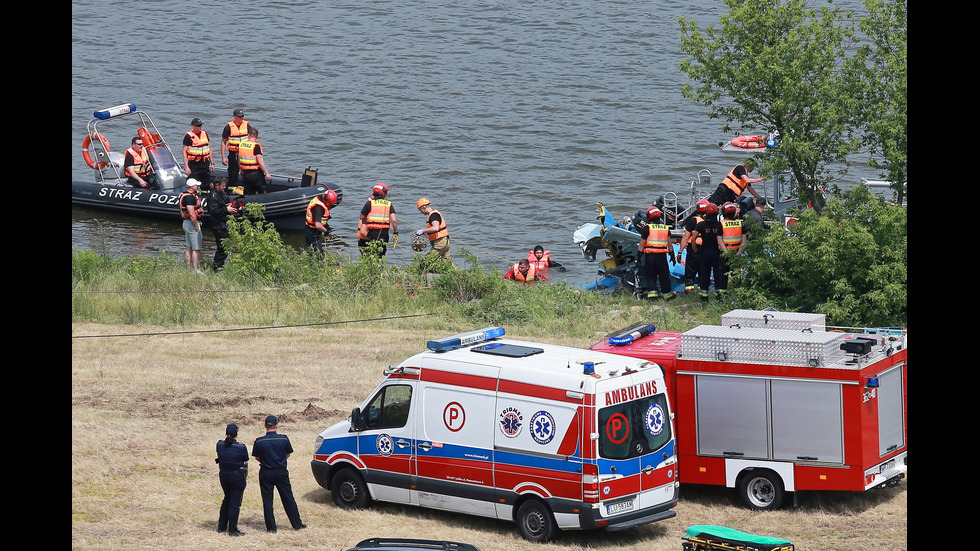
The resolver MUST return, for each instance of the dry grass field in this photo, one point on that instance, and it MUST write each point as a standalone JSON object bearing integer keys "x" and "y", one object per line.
{"x": 148, "y": 410}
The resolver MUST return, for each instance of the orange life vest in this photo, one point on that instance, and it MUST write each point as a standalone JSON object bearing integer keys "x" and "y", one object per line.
{"x": 735, "y": 184}
{"x": 200, "y": 148}
{"x": 238, "y": 134}
{"x": 379, "y": 217}
{"x": 532, "y": 273}
{"x": 247, "y": 160}
{"x": 443, "y": 232}
{"x": 658, "y": 240}
{"x": 543, "y": 262}
{"x": 731, "y": 234}
{"x": 183, "y": 208}
{"x": 316, "y": 201}
{"x": 142, "y": 167}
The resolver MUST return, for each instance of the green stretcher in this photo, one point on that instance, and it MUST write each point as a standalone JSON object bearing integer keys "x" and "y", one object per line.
{"x": 705, "y": 537}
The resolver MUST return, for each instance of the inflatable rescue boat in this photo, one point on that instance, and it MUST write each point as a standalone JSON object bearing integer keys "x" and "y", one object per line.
{"x": 284, "y": 202}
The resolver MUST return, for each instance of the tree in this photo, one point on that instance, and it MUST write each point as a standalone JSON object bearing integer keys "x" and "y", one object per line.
{"x": 850, "y": 263}
{"x": 884, "y": 117}
{"x": 781, "y": 65}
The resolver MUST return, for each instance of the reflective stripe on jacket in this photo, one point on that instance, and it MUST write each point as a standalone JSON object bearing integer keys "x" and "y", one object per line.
{"x": 658, "y": 239}
{"x": 379, "y": 218}
{"x": 200, "y": 148}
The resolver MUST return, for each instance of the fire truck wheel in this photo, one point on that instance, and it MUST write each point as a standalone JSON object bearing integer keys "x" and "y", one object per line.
{"x": 761, "y": 489}
{"x": 535, "y": 522}
{"x": 349, "y": 490}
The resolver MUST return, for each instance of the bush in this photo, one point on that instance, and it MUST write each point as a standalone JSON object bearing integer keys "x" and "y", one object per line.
{"x": 258, "y": 251}
{"x": 850, "y": 263}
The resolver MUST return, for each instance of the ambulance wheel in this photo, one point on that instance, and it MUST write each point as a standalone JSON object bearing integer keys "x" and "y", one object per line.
{"x": 535, "y": 522}
{"x": 349, "y": 490}
{"x": 761, "y": 489}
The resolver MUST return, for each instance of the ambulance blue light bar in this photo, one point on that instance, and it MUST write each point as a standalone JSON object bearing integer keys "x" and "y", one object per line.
{"x": 464, "y": 339}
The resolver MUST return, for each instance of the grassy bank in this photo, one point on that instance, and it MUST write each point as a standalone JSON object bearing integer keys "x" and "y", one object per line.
{"x": 163, "y": 359}
{"x": 159, "y": 291}
{"x": 148, "y": 410}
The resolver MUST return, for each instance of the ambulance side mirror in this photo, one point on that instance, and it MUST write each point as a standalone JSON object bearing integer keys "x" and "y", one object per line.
{"x": 357, "y": 422}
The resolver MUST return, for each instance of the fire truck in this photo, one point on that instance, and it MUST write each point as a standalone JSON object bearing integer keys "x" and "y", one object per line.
{"x": 547, "y": 436}
{"x": 773, "y": 403}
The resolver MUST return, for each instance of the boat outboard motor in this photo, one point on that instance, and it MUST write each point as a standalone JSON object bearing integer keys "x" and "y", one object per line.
{"x": 746, "y": 203}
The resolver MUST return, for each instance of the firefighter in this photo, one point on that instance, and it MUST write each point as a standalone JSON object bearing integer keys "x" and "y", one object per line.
{"x": 376, "y": 220}
{"x": 733, "y": 238}
{"x": 691, "y": 264}
{"x": 435, "y": 228}
{"x": 656, "y": 249}
{"x": 707, "y": 236}
{"x": 732, "y": 186}
{"x": 317, "y": 214}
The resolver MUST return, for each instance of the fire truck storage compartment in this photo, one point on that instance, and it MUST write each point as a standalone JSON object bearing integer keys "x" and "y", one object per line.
{"x": 775, "y": 320}
{"x": 762, "y": 346}
{"x": 777, "y": 419}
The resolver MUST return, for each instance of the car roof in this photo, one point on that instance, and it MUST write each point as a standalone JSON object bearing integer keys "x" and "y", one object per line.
{"x": 410, "y": 544}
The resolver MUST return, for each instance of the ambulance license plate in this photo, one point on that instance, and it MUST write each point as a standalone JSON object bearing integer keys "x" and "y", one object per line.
{"x": 619, "y": 507}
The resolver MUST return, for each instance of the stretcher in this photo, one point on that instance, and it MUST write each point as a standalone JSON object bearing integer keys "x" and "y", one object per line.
{"x": 705, "y": 537}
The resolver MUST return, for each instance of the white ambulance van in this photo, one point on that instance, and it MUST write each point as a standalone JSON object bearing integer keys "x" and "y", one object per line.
{"x": 547, "y": 436}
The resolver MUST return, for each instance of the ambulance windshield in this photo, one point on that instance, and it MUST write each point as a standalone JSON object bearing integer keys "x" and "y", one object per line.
{"x": 635, "y": 428}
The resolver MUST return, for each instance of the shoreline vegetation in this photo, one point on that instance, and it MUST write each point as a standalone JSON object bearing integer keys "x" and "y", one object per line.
{"x": 163, "y": 358}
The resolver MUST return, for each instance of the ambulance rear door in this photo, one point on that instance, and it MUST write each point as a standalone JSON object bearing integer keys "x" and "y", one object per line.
{"x": 636, "y": 452}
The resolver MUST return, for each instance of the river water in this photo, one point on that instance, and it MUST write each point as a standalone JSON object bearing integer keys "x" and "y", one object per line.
{"x": 514, "y": 118}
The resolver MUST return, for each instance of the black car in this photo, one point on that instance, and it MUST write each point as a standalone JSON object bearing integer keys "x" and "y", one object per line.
{"x": 408, "y": 544}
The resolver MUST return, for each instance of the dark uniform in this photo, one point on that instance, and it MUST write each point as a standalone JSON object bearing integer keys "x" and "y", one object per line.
{"x": 271, "y": 451}
{"x": 218, "y": 209}
{"x": 232, "y": 473}
{"x": 709, "y": 255}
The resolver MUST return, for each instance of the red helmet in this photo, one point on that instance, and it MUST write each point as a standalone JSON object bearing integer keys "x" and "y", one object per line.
{"x": 329, "y": 197}
{"x": 729, "y": 208}
{"x": 710, "y": 208}
{"x": 381, "y": 188}
{"x": 653, "y": 212}
{"x": 703, "y": 205}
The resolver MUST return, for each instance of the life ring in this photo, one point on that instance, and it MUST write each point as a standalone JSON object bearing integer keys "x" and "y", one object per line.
{"x": 88, "y": 156}
{"x": 749, "y": 142}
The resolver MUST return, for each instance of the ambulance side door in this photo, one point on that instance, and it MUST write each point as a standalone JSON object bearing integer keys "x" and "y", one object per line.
{"x": 454, "y": 447}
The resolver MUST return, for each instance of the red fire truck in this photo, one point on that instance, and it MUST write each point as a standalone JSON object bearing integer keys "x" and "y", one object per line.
{"x": 773, "y": 403}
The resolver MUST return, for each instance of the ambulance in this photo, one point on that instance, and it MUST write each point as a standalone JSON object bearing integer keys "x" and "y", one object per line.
{"x": 772, "y": 403}
{"x": 550, "y": 437}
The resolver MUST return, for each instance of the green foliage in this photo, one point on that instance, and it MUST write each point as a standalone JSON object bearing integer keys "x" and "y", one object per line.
{"x": 885, "y": 102}
{"x": 850, "y": 263}
{"x": 258, "y": 251}
{"x": 782, "y": 65}
{"x": 87, "y": 265}
{"x": 469, "y": 284}
{"x": 367, "y": 272}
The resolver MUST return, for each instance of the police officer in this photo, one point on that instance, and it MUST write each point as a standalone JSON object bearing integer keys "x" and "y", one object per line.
{"x": 272, "y": 451}
{"x": 232, "y": 463}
